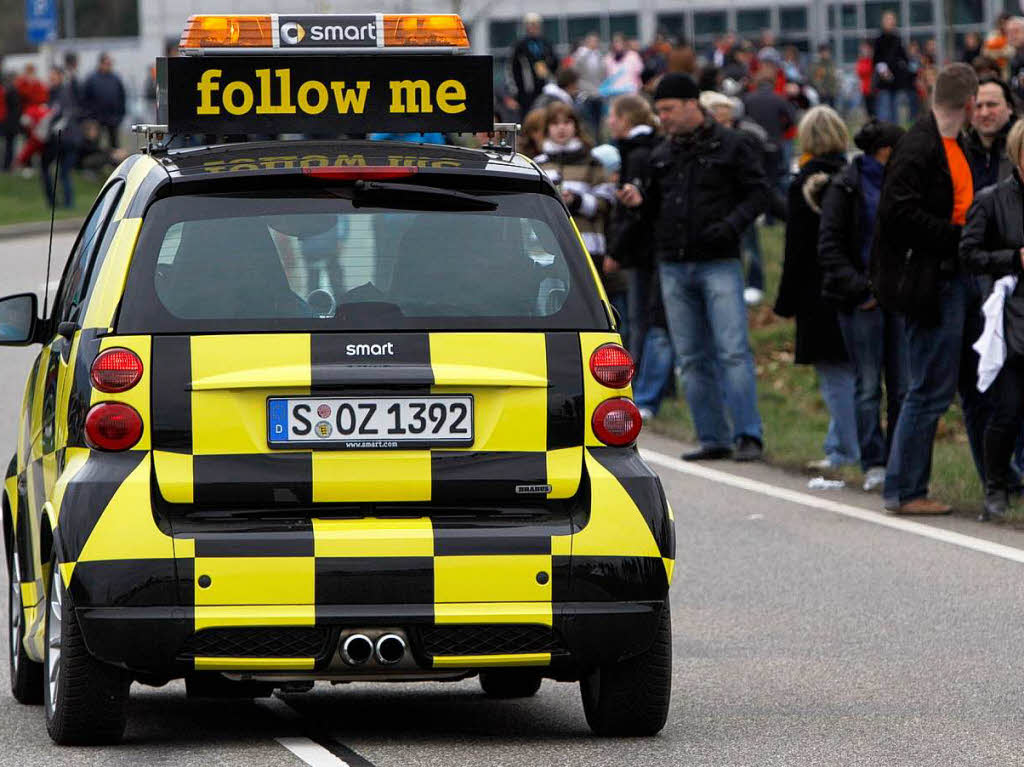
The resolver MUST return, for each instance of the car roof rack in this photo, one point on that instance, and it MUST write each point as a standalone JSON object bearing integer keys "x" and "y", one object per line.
{"x": 505, "y": 138}
{"x": 154, "y": 137}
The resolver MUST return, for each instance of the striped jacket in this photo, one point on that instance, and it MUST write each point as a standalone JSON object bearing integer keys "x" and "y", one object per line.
{"x": 571, "y": 168}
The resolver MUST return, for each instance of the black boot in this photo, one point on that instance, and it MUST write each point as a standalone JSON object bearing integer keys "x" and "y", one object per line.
{"x": 997, "y": 504}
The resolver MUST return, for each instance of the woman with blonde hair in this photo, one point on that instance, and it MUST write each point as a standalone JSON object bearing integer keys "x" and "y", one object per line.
{"x": 823, "y": 140}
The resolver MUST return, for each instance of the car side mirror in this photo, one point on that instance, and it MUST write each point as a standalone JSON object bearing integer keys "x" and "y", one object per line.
{"x": 18, "y": 321}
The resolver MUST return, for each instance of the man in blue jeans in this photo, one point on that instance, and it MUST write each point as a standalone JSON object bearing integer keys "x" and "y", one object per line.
{"x": 704, "y": 188}
{"x": 915, "y": 270}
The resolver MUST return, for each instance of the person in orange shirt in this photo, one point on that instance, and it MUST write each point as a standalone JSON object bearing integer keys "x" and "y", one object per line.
{"x": 923, "y": 204}
{"x": 997, "y": 46}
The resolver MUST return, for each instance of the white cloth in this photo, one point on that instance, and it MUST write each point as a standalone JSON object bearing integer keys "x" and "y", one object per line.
{"x": 991, "y": 345}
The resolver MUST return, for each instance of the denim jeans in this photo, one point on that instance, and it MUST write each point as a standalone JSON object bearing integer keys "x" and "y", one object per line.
{"x": 707, "y": 321}
{"x": 877, "y": 347}
{"x": 67, "y": 162}
{"x": 751, "y": 246}
{"x": 838, "y": 387}
{"x": 785, "y": 167}
{"x": 977, "y": 406}
{"x": 655, "y": 371}
{"x": 886, "y": 106}
{"x": 933, "y": 353}
{"x": 638, "y": 309}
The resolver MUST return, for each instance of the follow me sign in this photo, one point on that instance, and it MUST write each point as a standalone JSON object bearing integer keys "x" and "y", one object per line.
{"x": 326, "y": 94}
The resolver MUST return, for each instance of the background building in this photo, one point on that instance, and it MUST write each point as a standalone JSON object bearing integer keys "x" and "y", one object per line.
{"x": 142, "y": 32}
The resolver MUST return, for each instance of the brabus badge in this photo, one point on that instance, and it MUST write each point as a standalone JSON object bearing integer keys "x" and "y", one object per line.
{"x": 533, "y": 489}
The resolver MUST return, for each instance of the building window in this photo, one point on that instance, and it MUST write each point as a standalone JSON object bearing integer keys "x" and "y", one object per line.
{"x": 792, "y": 20}
{"x": 851, "y": 49}
{"x": 968, "y": 11}
{"x": 552, "y": 31}
{"x": 105, "y": 18}
{"x": 921, "y": 13}
{"x": 504, "y": 33}
{"x": 625, "y": 23}
{"x": 672, "y": 24}
{"x": 848, "y": 16}
{"x": 753, "y": 20}
{"x": 581, "y": 26}
{"x": 709, "y": 23}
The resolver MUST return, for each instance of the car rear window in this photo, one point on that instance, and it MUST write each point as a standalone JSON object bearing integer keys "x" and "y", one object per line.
{"x": 307, "y": 261}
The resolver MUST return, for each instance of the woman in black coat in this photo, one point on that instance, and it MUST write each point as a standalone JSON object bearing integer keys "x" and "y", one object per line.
{"x": 992, "y": 243}
{"x": 823, "y": 137}
{"x": 873, "y": 336}
{"x": 631, "y": 124}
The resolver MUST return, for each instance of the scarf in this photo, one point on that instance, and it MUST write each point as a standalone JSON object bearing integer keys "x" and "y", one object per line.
{"x": 572, "y": 146}
{"x": 871, "y": 171}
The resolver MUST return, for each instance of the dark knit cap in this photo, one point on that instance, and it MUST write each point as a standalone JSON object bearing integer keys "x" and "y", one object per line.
{"x": 877, "y": 134}
{"x": 676, "y": 86}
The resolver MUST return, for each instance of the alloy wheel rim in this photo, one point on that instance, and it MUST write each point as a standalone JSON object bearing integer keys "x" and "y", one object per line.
{"x": 16, "y": 616}
{"x": 53, "y": 639}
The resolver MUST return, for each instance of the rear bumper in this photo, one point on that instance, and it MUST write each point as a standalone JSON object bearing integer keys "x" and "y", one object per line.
{"x": 161, "y": 641}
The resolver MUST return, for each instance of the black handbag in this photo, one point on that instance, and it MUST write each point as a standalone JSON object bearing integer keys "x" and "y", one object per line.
{"x": 1013, "y": 324}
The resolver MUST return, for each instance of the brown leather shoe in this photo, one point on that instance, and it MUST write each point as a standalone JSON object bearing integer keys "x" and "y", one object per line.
{"x": 924, "y": 506}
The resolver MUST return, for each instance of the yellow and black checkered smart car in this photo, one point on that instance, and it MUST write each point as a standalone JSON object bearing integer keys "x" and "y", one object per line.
{"x": 343, "y": 411}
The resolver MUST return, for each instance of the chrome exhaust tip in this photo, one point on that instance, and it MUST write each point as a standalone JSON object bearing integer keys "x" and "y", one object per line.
{"x": 390, "y": 649}
{"x": 356, "y": 649}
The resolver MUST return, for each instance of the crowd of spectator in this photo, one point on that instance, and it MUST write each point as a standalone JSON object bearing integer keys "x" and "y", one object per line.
{"x": 900, "y": 260}
{"x": 65, "y": 120}
{"x": 890, "y": 252}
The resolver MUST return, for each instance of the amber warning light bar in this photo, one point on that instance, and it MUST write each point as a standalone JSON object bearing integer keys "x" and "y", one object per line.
{"x": 321, "y": 33}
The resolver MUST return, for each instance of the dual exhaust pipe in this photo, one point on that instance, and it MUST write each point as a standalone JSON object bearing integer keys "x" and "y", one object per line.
{"x": 357, "y": 649}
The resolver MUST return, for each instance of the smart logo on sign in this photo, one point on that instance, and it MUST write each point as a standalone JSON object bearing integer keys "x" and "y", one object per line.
{"x": 292, "y": 33}
{"x": 359, "y": 31}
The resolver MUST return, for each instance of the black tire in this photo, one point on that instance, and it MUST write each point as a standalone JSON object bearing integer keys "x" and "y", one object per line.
{"x": 510, "y": 683}
{"x": 631, "y": 697}
{"x": 26, "y": 674}
{"x": 91, "y": 704}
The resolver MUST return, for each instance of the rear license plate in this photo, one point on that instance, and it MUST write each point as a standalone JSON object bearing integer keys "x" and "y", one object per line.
{"x": 370, "y": 423}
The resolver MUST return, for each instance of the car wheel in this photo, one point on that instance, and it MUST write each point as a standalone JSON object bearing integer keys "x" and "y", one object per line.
{"x": 631, "y": 697}
{"x": 510, "y": 683}
{"x": 85, "y": 700}
{"x": 26, "y": 674}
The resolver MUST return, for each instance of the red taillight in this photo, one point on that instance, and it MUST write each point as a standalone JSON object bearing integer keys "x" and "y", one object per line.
{"x": 113, "y": 426}
{"x": 360, "y": 172}
{"x": 617, "y": 422}
{"x": 612, "y": 366}
{"x": 116, "y": 370}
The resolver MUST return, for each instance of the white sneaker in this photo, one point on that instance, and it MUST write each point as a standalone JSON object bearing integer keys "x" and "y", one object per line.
{"x": 874, "y": 478}
{"x": 646, "y": 414}
{"x": 753, "y": 296}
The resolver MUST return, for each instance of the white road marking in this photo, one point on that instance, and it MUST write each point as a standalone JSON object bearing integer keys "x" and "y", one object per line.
{"x": 865, "y": 515}
{"x": 306, "y": 749}
{"x": 311, "y": 753}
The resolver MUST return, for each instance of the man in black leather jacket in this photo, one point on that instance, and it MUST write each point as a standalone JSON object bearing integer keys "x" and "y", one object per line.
{"x": 705, "y": 186}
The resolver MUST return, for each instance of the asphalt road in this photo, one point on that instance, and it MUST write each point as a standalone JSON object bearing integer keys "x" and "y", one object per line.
{"x": 801, "y": 636}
